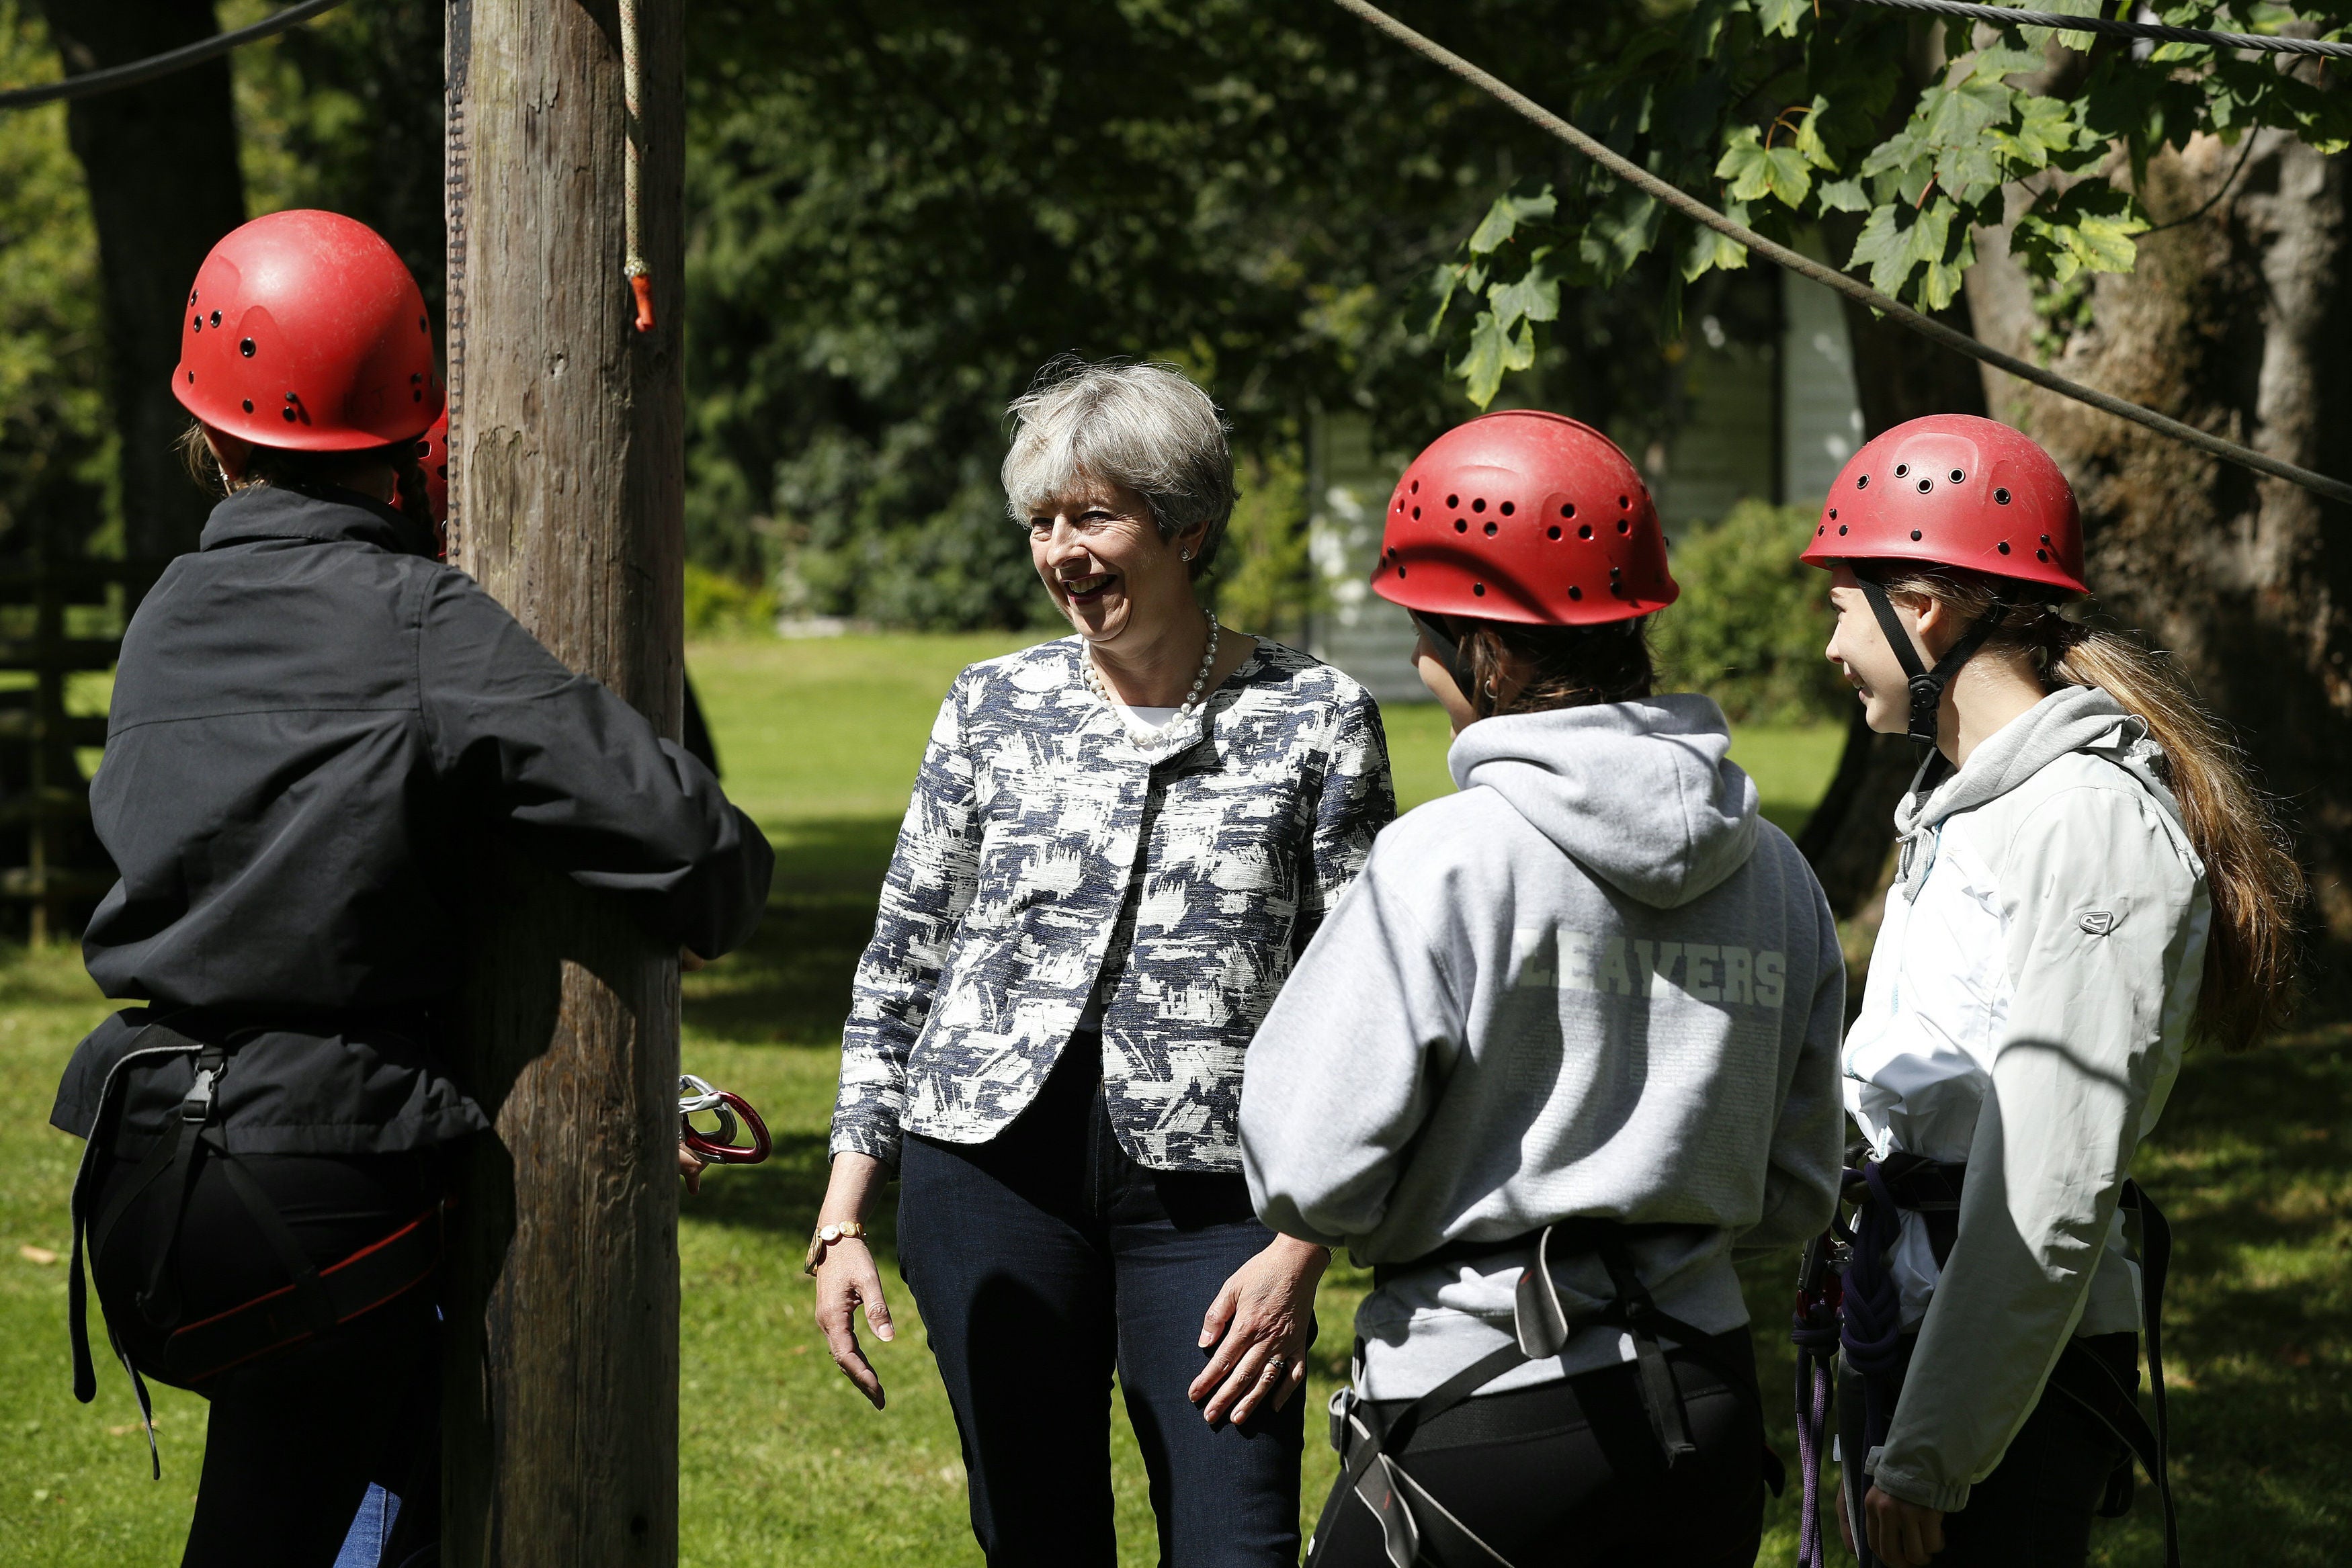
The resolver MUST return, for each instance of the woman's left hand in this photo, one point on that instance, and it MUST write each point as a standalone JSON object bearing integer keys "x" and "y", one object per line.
{"x": 1259, "y": 1324}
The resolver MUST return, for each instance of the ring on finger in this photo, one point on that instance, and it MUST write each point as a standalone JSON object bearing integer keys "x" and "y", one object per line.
{"x": 1278, "y": 1364}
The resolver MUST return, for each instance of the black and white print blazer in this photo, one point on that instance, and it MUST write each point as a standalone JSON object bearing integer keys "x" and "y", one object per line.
{"x": 1043, "y": 853}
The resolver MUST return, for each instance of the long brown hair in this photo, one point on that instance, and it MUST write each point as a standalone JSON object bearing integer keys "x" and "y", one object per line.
{"x": 1574, "y": 666}
{"x": 2251, "y": 874}
{"x": 305, "y": 470}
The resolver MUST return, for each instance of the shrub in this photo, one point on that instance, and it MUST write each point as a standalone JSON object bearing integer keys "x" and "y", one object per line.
{"x": 1750, "y": 626}
{"x": 718, "y": 604}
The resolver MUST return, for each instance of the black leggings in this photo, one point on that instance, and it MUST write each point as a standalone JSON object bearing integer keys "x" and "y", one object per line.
{"x": 294, "y": 1437}
{"x": 2035, "y": 1509}
{"x": 1569, "y": 1473}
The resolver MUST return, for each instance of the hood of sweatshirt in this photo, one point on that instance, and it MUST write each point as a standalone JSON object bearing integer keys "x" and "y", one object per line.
{"x": 2071, "y": 718}
{"x": 1641, "y": 794}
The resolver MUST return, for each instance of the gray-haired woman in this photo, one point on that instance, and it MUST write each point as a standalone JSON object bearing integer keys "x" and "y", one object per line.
{"x": 1118, "y": 844}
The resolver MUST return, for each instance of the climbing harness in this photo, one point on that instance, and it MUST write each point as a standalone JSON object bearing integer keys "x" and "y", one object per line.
{"x": 1699, "y": 212}
{"x": 1848, "y": 1300}
{"x": 2153, "y": 32}
{"x": 719, "y": 1148}
{"x": 1414, "y": 1524}
{"x": 314, "y": 1298}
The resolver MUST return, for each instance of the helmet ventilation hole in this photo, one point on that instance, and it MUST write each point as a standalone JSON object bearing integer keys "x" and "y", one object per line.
{"x": 1574, "y": 592}
{"x": 2000, "y": 497}
{"x": 248, "y": 405}
{"x": 1624, "y": 503}
{"x": 1841, "y": 531}
{"x": 192, "y": 377}
{"x": 1958, "y": 476}
{"x": 1507, "y": 508}
{"x": 1416, "y": 514}
{"x": 1926, "y": 485}
{"x": 1901, "y": 469}
{"x": 288, "y": 411}
{"x": 1491, "y": 527}
{"x": 1452, "y": 502}
{"x": 2042, "y": 555}
{"x": 1479, "y": 589}
{"x": 1915, "y": 535}
{"x": 245, "y": 348}
{"x": 1461, "y": 525}
{"x": 1552, "y": 532}
{"x": 1568, "y": 508}
{"x": 1416, "y": 486}
{"x": 1624, "y": 525}
{"x": 1834, "y": 514}
{"x": 1584, "y": 531}
{"x": 1400, "y": 571}
{"x": 421, "y": 325}
{"x": 1478, "y": 504}
{"x": 2005, "y": 547}
{"x": 2045, "y": 538}
{"x": 195, "y": 323}
{"x": 1862, "y": 483}
{"x": 215, "y": 318}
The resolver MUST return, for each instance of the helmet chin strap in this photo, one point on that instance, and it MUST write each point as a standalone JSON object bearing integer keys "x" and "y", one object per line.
{"x": 1927, "y": 685}
{"x": 1449, "y": 652}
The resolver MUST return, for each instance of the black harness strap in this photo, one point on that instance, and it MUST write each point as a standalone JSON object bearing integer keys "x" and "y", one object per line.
{"x": 1367, "y": 1444}
{"x": 1927, "y": 685}
{"x": 314, "y": 1301}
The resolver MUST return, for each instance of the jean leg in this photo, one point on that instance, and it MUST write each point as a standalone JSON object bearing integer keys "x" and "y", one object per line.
{"x": 1016, "y": 1299}
{"x": 1226, "y": 1496}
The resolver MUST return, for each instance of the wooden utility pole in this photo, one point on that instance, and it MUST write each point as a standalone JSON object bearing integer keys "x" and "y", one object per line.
{"x": 566, "y": 487}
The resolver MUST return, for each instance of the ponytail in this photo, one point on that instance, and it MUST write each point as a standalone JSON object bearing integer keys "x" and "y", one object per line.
{"x": 2251, "y": 874}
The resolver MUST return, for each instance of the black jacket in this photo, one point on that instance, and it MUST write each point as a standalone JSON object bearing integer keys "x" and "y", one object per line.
{"x": 312, "y": 719}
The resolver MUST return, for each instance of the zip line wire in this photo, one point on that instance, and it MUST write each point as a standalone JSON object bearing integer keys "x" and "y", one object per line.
{"x": 164, "y": 64}
{"x": 1852, "y": 288}
{"x": 2001, "y": 16}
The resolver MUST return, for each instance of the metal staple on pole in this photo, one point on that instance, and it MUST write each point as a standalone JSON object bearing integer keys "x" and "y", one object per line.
{"x": 2156, "y": 32}
{"x": 1854, "y": 288}
{"x": 163, "y": 65}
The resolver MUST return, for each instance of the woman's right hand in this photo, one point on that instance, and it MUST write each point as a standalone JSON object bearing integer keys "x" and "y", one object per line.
{"x": 848, "y": 1279}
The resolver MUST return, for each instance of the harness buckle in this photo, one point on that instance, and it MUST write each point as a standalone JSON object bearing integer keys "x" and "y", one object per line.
{"x": 198, "y": 1105}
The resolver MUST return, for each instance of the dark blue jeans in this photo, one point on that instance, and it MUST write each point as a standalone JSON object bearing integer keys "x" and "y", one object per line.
{"x": 1047, "y": 1258}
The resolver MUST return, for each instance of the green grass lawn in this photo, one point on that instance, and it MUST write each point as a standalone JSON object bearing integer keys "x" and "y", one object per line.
{"x": 782, "y": 1462}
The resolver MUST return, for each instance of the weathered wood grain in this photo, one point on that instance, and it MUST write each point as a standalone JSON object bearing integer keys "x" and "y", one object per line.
{"x": 561, "y": 1371}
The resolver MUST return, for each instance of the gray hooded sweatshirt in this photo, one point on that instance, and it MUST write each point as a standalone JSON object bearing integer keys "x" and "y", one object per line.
{"x": 1594, "y": 982}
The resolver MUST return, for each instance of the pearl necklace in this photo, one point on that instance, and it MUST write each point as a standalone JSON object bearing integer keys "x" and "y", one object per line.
{"x": 1141, "y": 736}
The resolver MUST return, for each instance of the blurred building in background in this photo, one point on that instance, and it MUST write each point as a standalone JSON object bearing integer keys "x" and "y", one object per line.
{"x": 1770, "y": 414}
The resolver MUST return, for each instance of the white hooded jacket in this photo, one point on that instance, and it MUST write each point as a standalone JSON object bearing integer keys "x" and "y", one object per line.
{"x": 2028, "y": 999}
{"x": 1594, "y": 982}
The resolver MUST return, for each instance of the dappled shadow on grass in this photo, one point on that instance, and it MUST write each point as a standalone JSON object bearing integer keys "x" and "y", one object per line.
{"x": 2250, "y": 1164}
{"x": 790, "y": 982}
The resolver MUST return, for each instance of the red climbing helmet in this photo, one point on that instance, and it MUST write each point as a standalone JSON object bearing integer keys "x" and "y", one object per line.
{"x": 1524, "y": 516}
{"x": 433, "y": 457}
{"x": 1952, "y": 489}
{"x": 304, "y": 330}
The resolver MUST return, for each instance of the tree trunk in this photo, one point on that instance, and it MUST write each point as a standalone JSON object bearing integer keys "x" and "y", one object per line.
{"x": 563, "y": 1364}
{"x": 161, "y": 160}
{"x": 1897, "y": 377}
{"x": 2234, "y": 320}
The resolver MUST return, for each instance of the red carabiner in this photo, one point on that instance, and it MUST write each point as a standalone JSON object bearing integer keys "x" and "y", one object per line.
{"x": 717, "y": 1147}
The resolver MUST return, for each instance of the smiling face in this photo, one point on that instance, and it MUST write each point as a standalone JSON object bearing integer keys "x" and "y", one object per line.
{"x": 1858, "y": 646}
{"x": 1101, "y": 556}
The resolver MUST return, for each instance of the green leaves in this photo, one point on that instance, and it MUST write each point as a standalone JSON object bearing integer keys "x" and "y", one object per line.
{"x": 1520, "y": 283}
{"x": 1755, "y": 170}
{"x": 2087, "y": 227}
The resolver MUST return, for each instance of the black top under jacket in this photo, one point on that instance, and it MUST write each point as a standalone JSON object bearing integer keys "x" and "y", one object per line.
{"x": 311, "y": 720}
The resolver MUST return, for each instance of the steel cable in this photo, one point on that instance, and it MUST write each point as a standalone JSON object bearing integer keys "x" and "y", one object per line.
{"x": 1927, "y": 327}
{"x": 2158, "y": 32}
{"x": 164, "y": 64}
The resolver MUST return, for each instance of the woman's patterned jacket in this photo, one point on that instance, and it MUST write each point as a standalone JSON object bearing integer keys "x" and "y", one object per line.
{"x": 1042, "y": 850}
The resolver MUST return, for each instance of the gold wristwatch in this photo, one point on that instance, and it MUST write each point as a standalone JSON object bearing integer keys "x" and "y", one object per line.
{"x": 826, "y": 1234}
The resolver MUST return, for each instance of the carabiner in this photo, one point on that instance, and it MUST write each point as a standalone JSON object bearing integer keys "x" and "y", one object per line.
{"x": 719, "y": 1146}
